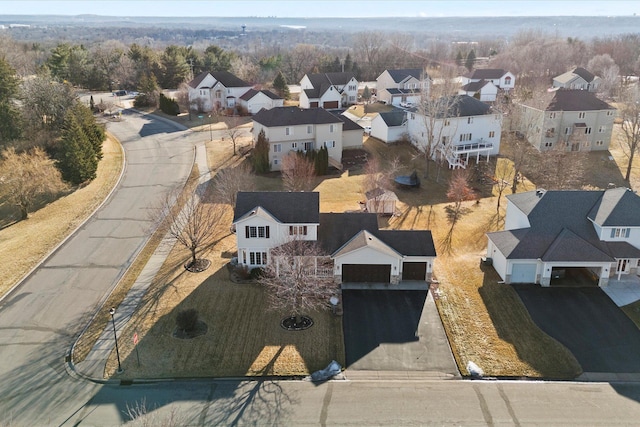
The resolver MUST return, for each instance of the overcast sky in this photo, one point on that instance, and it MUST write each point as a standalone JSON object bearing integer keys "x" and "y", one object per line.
{"x": 304, "y": 8}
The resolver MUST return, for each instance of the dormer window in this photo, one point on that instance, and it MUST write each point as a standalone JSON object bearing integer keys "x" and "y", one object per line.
{"x": 620, "y": 232}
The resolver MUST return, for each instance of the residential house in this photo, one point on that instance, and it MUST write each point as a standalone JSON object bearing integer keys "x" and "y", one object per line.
{"x": 355, "y": 249}
{"x": 578, "y": 78}
{"x": 328, "y": 90}
{"x": 484, "y": 90}
{"x": 297, "y": 129}
{"x": 576, "y": 119}
{"x": 389, "y": 126}
{"x": 404, "y": 86}
{"x": 501, "y": 79}
{"x": 215, "y": 90}
{"x": 255, "y": 100}
{"x": 352, "y": 133}
{"x": 549, "y": 235}
{"x": 459, "y": 127}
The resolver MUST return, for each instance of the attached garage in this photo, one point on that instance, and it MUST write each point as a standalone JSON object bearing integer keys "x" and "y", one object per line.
{"x": 373, "y": 273}
{"x": 330, "y": 104}
{"x": 313, "y": 104}
{"x": 523, "y": 273}
{"x": 414, "y": 271}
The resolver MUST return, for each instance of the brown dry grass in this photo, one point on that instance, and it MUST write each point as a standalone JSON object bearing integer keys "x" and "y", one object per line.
{"x": 26, "y": 243}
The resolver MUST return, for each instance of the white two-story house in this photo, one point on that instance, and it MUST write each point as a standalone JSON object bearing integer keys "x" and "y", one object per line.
{"x": 551, "y": 235}
{"x": 404, "y": 86}
{"x": 352, "y": 249}
{"x": 459, "y": 128}
{"x": 576, "y": 119}
{"x": 328, "y": 90}
{"x": 578, "y": 78}
{"x": 501, "y": 79}
{"x": 216, "y": 90}
{"x": 290, "y": 129}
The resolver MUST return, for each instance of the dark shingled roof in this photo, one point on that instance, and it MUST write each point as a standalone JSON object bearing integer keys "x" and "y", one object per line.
{"x": 291, "y": 116}
{"x": 393, "y": 118}
{"x": 396, "y": 91}
{"x": 224, "y": 77}
{"x": 198, "y": 79}
{"x": 321, "y": 82}
{"x": 336, "y": 229}
{"x": 402, "y": 74}
{"x": 287, "y": 207}
{"x": 576, "y": 100}
{"x": 561, "y": 229}
{"x": 459, "y": 106}
{"x": 252, "y": 92}
{"x": 475, "y": 86}
{"x": 486, "y": 74}
{"x": 348, "y": 124}
{"x": 586, "y": 75}
{"x": 409, "y": 242}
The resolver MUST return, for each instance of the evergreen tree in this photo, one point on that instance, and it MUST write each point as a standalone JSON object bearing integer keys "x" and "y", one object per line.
{"x": 459, "y": 59}
{"x": 93, "y": 131}
{"x": 260, "y": 156}
{"x": 348, "y": 63}
{"x": 10, "y": 119}
{"x": 92, "y": 104}
{"x": 366, "y": 94}
{"x": 76, "y": 157}
{"x": 336, "y": 67}
{"x": 471, "y": 60}
{"x": 280, "y": 86}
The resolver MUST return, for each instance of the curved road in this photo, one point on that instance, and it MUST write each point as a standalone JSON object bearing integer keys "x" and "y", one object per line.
{"x": 40, "y": 320}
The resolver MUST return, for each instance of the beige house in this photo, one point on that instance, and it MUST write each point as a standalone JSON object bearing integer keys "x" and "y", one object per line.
{"x": 402, "y": 87}
{"x": 578, "y": 78}
{"x": 291, "y": 129}
{"x": 575, "y": 118}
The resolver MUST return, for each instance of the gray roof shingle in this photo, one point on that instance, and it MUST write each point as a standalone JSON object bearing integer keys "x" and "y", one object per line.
{"x": 291, "y": 116}
{"x": 576, "y": 100}
{"x": 458, "y": 106}
{"x": 287, "y": 207}
{"x": 486, "y": 74}
{"x": 401, "y": 74}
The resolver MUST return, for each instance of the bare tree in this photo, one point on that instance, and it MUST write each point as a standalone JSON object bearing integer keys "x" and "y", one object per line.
{"x": 629, "y": 135}
{"x": 559, "y": 169}
{"x": 459, "y": 191}
{"x": 27, "y": 176}
{"x": 192, "y": 222}
{"x": 229, "y": 181}
{"x": 504, "y": 173}
{"x": 298, "y": 172}
{"x": 234, "y": 132}
{"x": 605, "y": 67}
{"x": 299, "y": 278}
{"x": 378, "y": 175}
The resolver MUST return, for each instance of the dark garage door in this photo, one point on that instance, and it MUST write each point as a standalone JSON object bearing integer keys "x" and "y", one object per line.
{"x": 414, "y": 270}
{"x": 330, "y": 104}
{"x": 313, "y": 104}
{"x": 366, "y": 273}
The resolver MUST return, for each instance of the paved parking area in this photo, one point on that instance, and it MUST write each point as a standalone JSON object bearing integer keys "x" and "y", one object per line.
{"x": 624, "y": 291}
{"x": 588, "y": 323}
{"x": 395, "y": 330}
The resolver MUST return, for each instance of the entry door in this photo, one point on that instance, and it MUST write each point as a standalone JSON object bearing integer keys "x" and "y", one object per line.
{"x": 623, "y": 266}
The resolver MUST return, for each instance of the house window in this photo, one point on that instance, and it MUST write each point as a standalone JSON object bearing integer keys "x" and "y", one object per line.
{"x": 586, "y": 144}
{"x": 469, "y": 120}
{"x": 445, "y": 140}
{"x": 465, "y": 137}
{"x": 308, "y": 146}
{"x": 297, "y": 230}
{"x": 549, "y": 132}
{"x": 309, "y": 129}
{"x": 294, "y": 145}
{"x": 552, "y": 115}
{"x": 568, "y": 130}
{"x": 352, "y": 87}
{"x": 507, "y": 80}
{"x": 331, "y": 127}
{"x": 599, "y": 143}
{"x": 620, "y": 232}
{"x": 257, "y": 258}
{"x": 581, "y": 115}
{"x": 609, "y": 113}
{"x": 352, "y": 98}
{"x": 447, "y": 122}
{"x": 288, "y": 131}
{"x": 548, "y": 144}
{"x": 587, "y": 131}
{"x": 276, "y": 161}
{"x": 601, "y": 129}
{"x": 252, "y": 232}
{"x": 330, "y": 144}
{"x": 413, "y": 116}
{"x": 277, "y": 148}
{"x": 492, "y": 134}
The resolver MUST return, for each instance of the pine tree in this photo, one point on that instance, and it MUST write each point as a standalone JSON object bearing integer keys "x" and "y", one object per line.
{"x": 366, "y": 94}
{"x": 348, "y": 63}
{"x": 459, "y": 59}
{"x": 471, "y": 60}
{"x": 260, "y": 156}
{"x": 280, "y": 85}
{"x": 76, "y": 157}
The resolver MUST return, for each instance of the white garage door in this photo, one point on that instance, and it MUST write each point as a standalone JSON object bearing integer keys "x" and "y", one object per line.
{"x": 523, "y": 273}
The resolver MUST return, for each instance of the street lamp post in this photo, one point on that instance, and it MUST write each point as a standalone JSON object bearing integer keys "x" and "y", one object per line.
{"x": 112, "y": 311}
{"x": 210, "y": 133}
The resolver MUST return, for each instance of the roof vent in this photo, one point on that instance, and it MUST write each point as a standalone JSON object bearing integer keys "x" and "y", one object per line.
{"x": 540, "y": 192}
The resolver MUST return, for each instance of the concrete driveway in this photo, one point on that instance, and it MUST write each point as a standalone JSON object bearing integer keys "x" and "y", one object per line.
{"x": 395, "y": 330}
{"x": 588, "y": 323}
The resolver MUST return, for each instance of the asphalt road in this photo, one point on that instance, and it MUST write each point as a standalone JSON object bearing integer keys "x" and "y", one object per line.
{"x": 40, "y": 320}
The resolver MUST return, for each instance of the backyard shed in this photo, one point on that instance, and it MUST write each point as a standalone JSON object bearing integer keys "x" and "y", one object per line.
{"x": 381, "y": 201}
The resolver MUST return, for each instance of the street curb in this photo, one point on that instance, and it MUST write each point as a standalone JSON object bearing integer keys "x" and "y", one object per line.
{"x": 72, "y": 233}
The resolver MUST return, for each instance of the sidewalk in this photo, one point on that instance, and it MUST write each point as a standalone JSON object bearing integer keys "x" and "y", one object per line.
{"x": 93, "y": 365}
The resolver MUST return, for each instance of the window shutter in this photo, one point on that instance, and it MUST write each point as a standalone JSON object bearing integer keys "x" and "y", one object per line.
{"x": 627, "y": 233}
{"x": 246, "y": 231}
{"x": 267, "y": 231}
{"x": 613, "y": 232}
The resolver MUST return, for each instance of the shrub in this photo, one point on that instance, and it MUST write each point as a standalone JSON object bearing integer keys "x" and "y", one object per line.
{"x": 256, "y": 273}
{"x": 169, "y": 105}
{"x": 187, "y": 320}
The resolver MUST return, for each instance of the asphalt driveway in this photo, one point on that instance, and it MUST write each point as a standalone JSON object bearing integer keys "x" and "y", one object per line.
{"x": 394, "y": 330}
{"x": 588, "y": 323}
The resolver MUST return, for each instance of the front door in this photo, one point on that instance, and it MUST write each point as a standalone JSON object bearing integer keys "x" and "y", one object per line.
{"x": 575, "y": 146}
{"x": 623, "y": 266}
